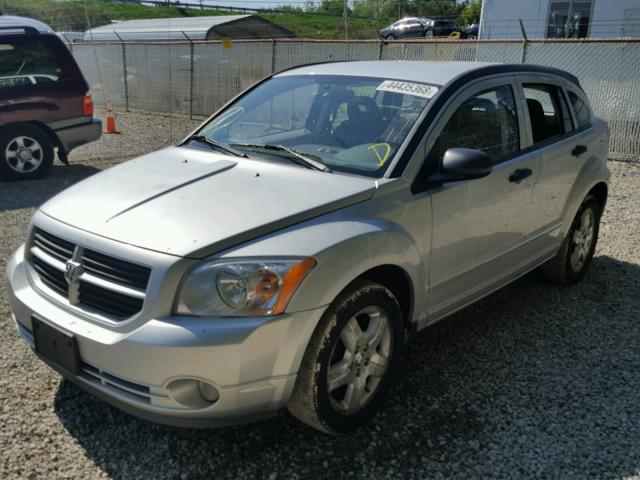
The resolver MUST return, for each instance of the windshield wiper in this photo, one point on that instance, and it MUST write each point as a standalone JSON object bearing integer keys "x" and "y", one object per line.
{"x": 217, "y": 145}
{"x": 297, "y": 157}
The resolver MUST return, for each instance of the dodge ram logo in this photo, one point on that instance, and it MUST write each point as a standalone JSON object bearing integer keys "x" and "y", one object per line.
{"x": 72, "y": 272}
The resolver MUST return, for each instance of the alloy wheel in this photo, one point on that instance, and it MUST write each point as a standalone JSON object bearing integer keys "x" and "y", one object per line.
{"x": 24, "y": 154}
{"x": 359, "y": 360}
{"x": 582, "y": 239}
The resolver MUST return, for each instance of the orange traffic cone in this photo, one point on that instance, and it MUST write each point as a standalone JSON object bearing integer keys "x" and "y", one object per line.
{"x": 111, "y": 119}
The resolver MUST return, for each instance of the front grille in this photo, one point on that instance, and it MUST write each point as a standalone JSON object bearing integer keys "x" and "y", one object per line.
{"x": 51, "y": 277}
{"x": 54, "y": 246}
{"x": 106, "y": 285}
{"x": 113, "y": 269}
{"x": 114, "y": 303}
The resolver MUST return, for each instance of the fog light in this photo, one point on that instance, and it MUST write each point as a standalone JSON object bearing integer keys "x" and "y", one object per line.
{"x": 208, "y": 391}
{"x": 193, "y": 393}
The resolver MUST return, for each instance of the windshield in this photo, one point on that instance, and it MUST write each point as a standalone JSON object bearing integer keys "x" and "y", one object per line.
{"x": 350, "y": 124}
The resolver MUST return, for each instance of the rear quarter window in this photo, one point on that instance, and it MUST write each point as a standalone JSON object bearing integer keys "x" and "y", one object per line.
{"x": 28, "y": 61}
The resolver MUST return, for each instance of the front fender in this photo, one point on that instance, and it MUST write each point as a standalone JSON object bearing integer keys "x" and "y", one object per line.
{"x": 344, "y": 249}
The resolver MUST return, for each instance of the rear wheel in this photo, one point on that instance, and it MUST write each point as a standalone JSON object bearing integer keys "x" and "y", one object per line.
{"x": 25, "y": 153}
{"x": 350, "y": 361}
{"x": 574, "y": 257}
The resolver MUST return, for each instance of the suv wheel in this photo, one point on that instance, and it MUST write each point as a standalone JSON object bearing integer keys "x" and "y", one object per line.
{"x": 350, "y": 361}
{"x": 572, "y": 261}
{"x": 25, "y": 153}
{"x": 428, "y": 33}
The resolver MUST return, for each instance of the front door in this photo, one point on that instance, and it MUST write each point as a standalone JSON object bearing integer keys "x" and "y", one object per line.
{"x": 479, "y": 225}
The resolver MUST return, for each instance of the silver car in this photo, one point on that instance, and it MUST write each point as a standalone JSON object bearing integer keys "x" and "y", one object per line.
{"x": 283, "y": 254}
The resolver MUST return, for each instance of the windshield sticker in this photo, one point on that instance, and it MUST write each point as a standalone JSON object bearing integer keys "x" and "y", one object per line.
{"x": 417, "y": 89}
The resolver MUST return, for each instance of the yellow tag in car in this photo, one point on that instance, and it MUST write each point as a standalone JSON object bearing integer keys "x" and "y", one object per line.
{"x": 226, "y": 42}
{"x": 381, "y": 156}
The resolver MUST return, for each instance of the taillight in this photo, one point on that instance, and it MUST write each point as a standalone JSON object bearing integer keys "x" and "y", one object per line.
{"x": 87, "y": 105}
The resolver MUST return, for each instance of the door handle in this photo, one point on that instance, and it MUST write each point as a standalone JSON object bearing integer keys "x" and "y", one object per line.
{"x": 579, "y": 150}
{"x": 519, "y": 175}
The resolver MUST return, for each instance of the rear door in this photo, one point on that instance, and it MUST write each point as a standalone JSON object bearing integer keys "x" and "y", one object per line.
{"x": 479, "y": 226}
{"x": 561, "y": 143}
{"x": 414, "y": 28}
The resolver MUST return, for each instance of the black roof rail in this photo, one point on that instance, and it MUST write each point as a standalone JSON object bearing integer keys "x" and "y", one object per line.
{"x": 25, "y": 28}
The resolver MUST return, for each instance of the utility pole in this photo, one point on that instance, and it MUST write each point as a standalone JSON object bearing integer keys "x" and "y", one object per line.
{"x": 399, "y": 9}
{"x": 346, "y": 30}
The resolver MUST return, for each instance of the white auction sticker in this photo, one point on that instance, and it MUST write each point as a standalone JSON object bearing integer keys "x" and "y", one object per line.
{"x": 417, "y": 89}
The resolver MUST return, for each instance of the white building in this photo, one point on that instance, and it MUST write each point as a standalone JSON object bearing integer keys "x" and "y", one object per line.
{"x": 560, "y": 19}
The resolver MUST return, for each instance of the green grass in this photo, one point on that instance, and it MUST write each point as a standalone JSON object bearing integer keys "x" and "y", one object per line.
{"x": 71, "y": 15}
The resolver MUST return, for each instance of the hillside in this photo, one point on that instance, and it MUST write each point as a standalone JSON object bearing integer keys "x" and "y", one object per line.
{"x": 71, "y": 15}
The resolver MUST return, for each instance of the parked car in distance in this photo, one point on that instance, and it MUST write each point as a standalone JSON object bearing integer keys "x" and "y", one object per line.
{"x": 412, "y": 27}
{"x": 471, "y": 32}
{"x": 44, "y": 100}
{"x": 282, "y": 254}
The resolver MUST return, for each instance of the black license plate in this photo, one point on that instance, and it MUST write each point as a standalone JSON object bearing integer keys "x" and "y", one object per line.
{"x": 56, "y": 346}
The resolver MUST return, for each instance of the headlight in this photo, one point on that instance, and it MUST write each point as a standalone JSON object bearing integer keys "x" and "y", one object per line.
{"x": 241, "y": 287}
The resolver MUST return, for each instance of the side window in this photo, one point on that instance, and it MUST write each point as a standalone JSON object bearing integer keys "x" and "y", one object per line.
{"x": 27, "y": 61}
{"x": 580, "y": 108}
{"x": 487, "y": 121}
{"x": 546, "y": 113}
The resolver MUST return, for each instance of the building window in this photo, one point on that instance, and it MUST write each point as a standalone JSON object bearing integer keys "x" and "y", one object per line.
{"x": 569, "y": 19}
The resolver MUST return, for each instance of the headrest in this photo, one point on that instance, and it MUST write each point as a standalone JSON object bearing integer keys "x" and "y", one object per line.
{"x": 361, "y": 109}
{"x": 535, "y": 108}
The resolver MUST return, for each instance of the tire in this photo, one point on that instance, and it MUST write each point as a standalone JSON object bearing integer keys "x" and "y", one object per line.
{"x": 364, "y": 373}
{"x": 572, "y": 261}
{"x": 26, "y": 153}
{"x": 390, "y": 37}
{"x": 428, "y": 33}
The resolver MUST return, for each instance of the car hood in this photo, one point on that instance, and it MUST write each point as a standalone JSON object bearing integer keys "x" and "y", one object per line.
{"x": 193, "y": 203}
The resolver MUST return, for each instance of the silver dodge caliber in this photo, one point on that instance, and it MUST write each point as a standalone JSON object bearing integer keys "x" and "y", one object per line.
{"x": 284, "y": 252}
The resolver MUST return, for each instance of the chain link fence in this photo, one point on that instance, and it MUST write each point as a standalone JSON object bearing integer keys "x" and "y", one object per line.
{"x": 196, "y": 78}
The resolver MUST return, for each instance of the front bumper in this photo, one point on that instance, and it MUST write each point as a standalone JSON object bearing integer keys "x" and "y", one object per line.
{"x": 252, "y": 362}
{"x": 72, "y": 137}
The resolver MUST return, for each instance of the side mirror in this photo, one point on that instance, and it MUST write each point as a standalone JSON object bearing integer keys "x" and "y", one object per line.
{"x": 462, "y": 164}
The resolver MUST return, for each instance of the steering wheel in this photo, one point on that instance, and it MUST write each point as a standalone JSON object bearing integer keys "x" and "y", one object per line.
{"x": 339, "y": 141}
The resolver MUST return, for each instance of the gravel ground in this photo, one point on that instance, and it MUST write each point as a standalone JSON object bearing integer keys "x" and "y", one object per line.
{"x": 534, "y": 381}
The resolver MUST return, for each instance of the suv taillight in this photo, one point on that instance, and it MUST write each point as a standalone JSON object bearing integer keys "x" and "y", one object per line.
{"x": 87, "y": 106}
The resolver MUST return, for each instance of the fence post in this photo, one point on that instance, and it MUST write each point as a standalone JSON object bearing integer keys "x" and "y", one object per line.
{"x": 525, "y": 42}
{"x": 191, "y": 69}
{"x": 273, "y": 56}
{"x": 380, "y": 47}
{"x": 124, "y": 72}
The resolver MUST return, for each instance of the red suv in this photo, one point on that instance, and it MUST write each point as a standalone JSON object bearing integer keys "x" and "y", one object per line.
{"x": 45, "y": 104}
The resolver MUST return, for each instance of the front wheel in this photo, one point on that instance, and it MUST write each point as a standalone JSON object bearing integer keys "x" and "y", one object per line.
{"x": 26, "y": 153}
{"x": 574, "y": 257}
{"x": 428, "y": 33}
{"x": 350, "y": 361}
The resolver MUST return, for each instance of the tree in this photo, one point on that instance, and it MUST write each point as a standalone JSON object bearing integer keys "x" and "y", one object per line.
{"x": 334, "y": 7}
{"x": 471, "y": 12}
